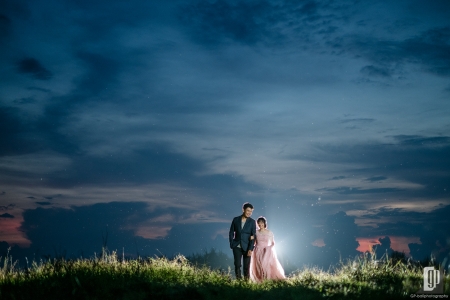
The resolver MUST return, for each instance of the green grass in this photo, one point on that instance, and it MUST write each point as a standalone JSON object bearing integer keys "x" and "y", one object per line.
{"x": 108, "y": 277}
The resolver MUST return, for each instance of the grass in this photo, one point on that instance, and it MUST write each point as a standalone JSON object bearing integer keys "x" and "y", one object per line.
{"x": 108, "y": 277}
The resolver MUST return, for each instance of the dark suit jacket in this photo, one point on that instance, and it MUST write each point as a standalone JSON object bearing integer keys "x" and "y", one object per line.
{"x": 242, "y": 236}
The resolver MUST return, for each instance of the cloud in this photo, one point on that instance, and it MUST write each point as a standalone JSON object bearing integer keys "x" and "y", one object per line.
{"x": 318, "y": 25}
{"x": 82, "y": 230}
{"x": 376, "y": 178}
{"x": 34, "y": 88}
{"x": 358, "y": 120}
{"x": 6, "y": 207}
{"x": 43, "y": 203}
{"x": 345, "y": 190}
{"x": 26, "y": 100}
{"x": 422, "y": 160}
{"x": 430, "y": 227}
{"x": 245, "y": 22}
{"x": 33, "y": 67}
{"x": 6, "y": 215}
{"x": 4, "y": 26}
{"x": 15, "y": 8}
{"x": 267, "y": 23}
{"x": 375, "y": 71}
{"x": 337, "y": 177}
{"x": 153, "y": 163}
{"x": 15, "y": 132}
{"x": 429, "y": 49}
{"x": 101, "y": 73}
{"x": 416, "y": 140}
{"x": 338, "y": 232}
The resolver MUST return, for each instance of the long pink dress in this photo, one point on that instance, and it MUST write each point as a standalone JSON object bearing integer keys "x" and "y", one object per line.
{"x": 264, "y": 263}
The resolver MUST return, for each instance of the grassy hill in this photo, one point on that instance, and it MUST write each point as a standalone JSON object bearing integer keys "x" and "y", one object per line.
{"x": 108, "y": 277}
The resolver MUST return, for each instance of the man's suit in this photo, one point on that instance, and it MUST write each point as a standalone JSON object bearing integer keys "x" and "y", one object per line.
{"x": 240, "y": 243}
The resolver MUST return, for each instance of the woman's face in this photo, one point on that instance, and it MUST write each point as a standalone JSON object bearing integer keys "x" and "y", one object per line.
{"x": 261, "y": 224}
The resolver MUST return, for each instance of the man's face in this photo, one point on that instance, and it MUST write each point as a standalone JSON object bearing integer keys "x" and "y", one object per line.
{"x": 248, "y": 212}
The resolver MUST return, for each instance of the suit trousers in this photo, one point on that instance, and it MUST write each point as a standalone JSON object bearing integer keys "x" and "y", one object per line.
{"x": 238, "y": 253}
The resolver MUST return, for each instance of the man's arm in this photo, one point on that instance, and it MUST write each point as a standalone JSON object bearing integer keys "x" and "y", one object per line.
{"x": 231, "y": 233}
{"x": 253, "y": 233}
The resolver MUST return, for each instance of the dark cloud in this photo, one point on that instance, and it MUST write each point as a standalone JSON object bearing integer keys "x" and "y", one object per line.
{"x": 33, "y": 67}
{"x": 14, "y": 133}
{"x": 338, "y": 177}
{"x": 375, "y": 71}
{"x": 358, "y": 120}
{"x": 430, "y": 227}
{"x": 153, "y": 163}
{"x": 2, "y": 193}
{"x": 6, "y": 215}
{"x": 246, "y": 22}
{"x": 67, "y": 227}
{"x": 415, "y": 140}
{"x": 429, "y": 49}
{"x": 17, "y": 8}
{"x": 101, "y": 73}
{"x": 43, "y": 203}
{"x": 34, "y": 88}
{"x": 376, "y": 178}
{"x": 83, "y": 230}
{"x": 6, "y": 207}
{"x": 27, "y": 100}
{"x": 4, "y": 25}
{"x": 408, "y": 158}
{"x": 22, "y": 134}
{"x": 339, "y": 235}
{"x": 10, "y": 11}
{"x": 345, "y": 190}
{"x": 261, "y": 22}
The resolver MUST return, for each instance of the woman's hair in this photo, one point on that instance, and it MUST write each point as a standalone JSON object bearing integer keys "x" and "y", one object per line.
{"x": 263, "y": 220}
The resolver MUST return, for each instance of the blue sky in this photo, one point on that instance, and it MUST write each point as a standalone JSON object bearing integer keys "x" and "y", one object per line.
{"x": 156, "y": 121}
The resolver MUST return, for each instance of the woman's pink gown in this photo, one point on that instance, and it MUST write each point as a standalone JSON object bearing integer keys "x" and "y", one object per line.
{"x": 264, "y": 263}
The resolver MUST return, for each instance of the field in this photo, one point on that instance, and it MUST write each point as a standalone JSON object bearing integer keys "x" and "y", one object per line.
{"x": 111, "y": 277}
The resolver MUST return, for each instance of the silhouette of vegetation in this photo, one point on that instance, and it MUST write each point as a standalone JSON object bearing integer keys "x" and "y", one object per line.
{"x": 215, "y": 260}
{"x": 111, "y": 277}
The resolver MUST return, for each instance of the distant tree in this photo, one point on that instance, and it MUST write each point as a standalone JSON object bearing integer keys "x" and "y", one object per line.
{"x": 340, "y": 233}
{"x": 397, "y": 256}
{"x": 215, "y": 260}
{"x": 383, "y": 250}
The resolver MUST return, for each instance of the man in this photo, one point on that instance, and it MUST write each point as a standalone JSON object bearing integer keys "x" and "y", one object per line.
{"x": 241, "y": 230}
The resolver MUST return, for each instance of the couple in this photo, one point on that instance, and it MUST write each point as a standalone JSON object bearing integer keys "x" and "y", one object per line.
{"x": 260, "y": 258}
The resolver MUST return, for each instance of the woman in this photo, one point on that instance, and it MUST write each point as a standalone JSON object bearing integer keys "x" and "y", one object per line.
{"x": 264, "y": 263}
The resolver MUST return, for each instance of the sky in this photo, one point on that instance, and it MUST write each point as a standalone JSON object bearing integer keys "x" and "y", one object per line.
{"x": 144, "y": 126}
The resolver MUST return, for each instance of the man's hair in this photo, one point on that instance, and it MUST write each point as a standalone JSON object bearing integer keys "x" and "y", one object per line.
{"x": 263, "y": 220}
{"x": 246, "y": 205}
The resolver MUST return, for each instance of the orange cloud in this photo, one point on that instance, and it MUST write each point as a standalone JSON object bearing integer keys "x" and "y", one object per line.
{"x": 10, "y": 233}
{"x": 398, "y": 243}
